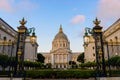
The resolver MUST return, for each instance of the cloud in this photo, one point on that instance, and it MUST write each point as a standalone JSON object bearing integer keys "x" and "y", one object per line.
{"x": 5, "y": 5}
{"x": 26, "y": 5}
{"x": 78, "y": 19}
{"x": 15, "y": 6}
{"x": 108, "y": 9}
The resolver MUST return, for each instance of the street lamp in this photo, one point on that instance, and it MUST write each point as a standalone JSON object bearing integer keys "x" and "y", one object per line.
{"x": 23, "y": 32}
{"x": 20, "y": 49}
{"x": 96, "y": 32}
{"x": 33, "y": 37}
{"x": 86, "y": 37}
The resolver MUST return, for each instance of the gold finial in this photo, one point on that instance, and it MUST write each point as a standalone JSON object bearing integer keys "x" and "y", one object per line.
{"x": 23, "y": 22}
{"x": 60, "y": 30}
{"x": 96, "y": 22}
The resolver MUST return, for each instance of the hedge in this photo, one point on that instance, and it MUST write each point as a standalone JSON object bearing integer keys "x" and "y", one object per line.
{"x": 60, "y": 74}
{"x": 115, "y": 73}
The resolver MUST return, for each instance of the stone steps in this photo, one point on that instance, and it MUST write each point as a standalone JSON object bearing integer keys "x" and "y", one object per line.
{"x": 11, "y": 78}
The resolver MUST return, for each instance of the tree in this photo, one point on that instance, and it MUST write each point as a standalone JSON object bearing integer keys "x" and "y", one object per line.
{"x": 81, "y": 58}
{"x": 48, "y": 65}
{"x": 4, "y": 61}
{"x": 40, "y": 58}
{"x": 72, "y": 64}
{"x": 114, "y": 61}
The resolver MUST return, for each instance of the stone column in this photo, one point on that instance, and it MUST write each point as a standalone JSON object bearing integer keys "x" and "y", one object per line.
{"x": 62, "y": 65}
{"x": 68, "y": 59}
{"x": 57, "y": 58}
{"x": 58, "y": 65}
{"x": 62, "y": 58}
{"x": 52, "y": 60}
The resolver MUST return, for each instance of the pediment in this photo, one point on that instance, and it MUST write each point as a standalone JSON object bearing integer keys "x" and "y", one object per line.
{"x": 61, "y": 51}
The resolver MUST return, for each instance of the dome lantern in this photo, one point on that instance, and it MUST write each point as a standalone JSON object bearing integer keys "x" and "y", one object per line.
{"x": 60, "y": 35}
{"x": 60, "y": 30}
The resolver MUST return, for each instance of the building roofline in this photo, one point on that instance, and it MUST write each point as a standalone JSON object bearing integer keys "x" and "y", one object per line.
{"x": 7, "y": 24}
{"x": 112, "y": 25}
{"x": 76, "y": 52}
{"x": 43, "y": 52}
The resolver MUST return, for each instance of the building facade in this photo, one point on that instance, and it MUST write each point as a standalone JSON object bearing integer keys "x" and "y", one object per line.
{"x": 30, "y": 50}
{"x": 8, "y": 42}
{"x": 60, "y": 54}
{"x": 8, "y": 38}
{"x": 111, "y": 40}
{"x": 89, "y": 50}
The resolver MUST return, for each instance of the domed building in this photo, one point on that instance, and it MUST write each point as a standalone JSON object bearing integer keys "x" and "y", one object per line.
{"x": 60, "y": 54}
{"x": 60, "y": 41}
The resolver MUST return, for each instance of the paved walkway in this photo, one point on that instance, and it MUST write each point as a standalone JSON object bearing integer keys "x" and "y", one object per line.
{"x": 11, "y": 79}
{"x": 41, "y": 79}
{"x": 65, "y": 79}
{"x": 102, "y": 78}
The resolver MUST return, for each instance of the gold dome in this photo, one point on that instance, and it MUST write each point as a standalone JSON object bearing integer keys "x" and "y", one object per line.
{"x": 60, "y": 35}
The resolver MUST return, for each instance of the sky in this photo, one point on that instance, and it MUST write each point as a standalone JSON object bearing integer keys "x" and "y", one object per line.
{"x": 47, "y": 15}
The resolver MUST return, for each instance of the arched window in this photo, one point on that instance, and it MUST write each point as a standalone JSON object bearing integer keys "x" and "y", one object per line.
{"x": 60, "y": 45}
{"x": 4, "y": 38}
{"x": 93, "y": 48}
{"x": 116, "y": 40}
{"x": 63, "y": 44}
{"x": 117, "y": 47}
{"x": 93, "y": 54}
{"x": 111, "y": 42}
{"x": 111, "y": 48}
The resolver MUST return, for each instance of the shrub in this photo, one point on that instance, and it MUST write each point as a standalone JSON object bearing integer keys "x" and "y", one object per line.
{"x": 49, "y": 73}
{"x": 4, "y": 61}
